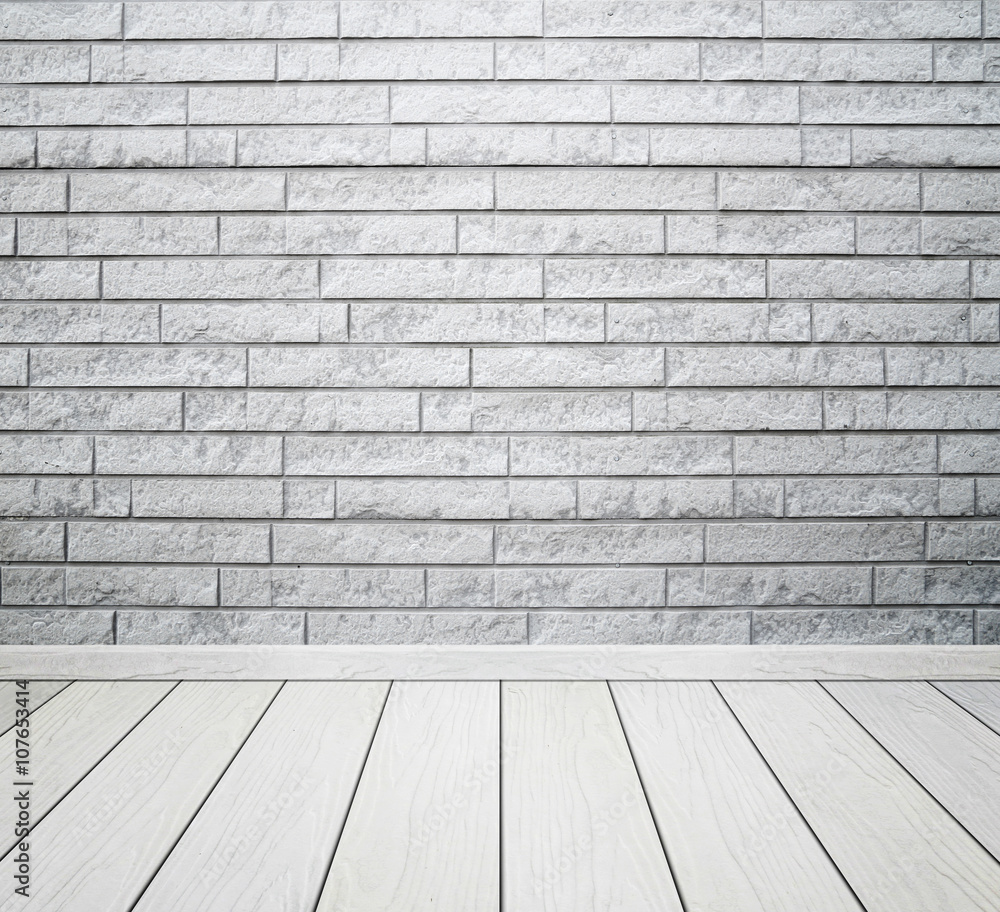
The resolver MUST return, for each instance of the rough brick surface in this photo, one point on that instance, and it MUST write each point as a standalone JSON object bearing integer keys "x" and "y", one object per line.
{"x": 500, "y": 321}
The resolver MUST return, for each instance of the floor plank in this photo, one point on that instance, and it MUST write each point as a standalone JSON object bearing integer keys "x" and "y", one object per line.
{"x": 73, "y": 731}
{"x": 423, "y": 832}
{"x": 734, "y": 839}
{"x": 41, "y": 692}
{"x": 981, "y": 698}
{"x": 952, "y": 754}
{"x": 264, "y": 838}
{"x": 98, "y": 848}
{"x": 899, "y": 850}
{"x": 577, "y": 832}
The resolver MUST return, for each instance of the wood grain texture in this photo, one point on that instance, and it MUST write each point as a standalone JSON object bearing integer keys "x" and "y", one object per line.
{"x": 264, "y": 838}
{"x": 578, "y": 834}
{"x": 953, "y": 755}
{"x": 899, "y": 850}
{"x": 74, "y": 731}
{"x": 734, "y": 839}
{"x": 423, "y": 832}
{"x": 495, "y": 663}
{"x": 98, "y": 848}
{"x": 41, "y": 692}
{"x": 981, "y": 698}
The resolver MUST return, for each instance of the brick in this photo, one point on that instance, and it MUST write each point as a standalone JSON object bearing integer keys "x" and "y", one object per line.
{"x": 289, "y": 105}
{"x": 13, "y": 367}
{"x": 849, "y": 410}
{"x": 309, "y": 499}
{"x": 428, "y": 629}
{"x": 72, "y": 410}
{"x": 132, "y": 542}
{"x": 464, "y": 278}
{"x": 198, "y": 192}
{"x": 979, "y": 540}
{"x": 863, "y": 626}
{"x": 388, "y": 455}
{"x": 14, "y": 412}
{"x": 211, "y": 279}
{"x": 369, "y": 234}
{"x": 642, "y": 18}
{"x": 209, "y": 628}
{"x": 335, "y": 146}
{"x": 726, "y": 146}
{"x": 452, "y": 322}
{"x": 245, "y": 588}
{"x": 447, "y": 499}
{"x": 687, "y": 322}
{"x": 17, "y": 149}
{"x": 958, "y": 366}
{"x": 889, "y": 236}
{"x": 62, "y": 497}
{"x": 44, "y": 63}
{"x": 824, "y": 147}
{"x": 899, "y": 104}
{"x": 132, "y": 367}
{"x": 959, "y": 62}
{"x": 958, "y": 236}
{"x": 460, "y": 588}
{"x": 759, "y": 497}
{"x": 937, "y": 585}
{"x": 293, "y": 411}
{"x": 386, "y": 543}
{"x": 527, "y": 145}
{"x": 760, "y": 234}
{"x": 833, "y": 454}
{"x": 557, "y": 588}
{"x": 615, "y": 60}
{"x": 57, "y": 627}
{"x": 944, "y": 410}
{"x": 147, "y": 586}
{"x": 783, "y": 542}
{"x": 48, "y": 280}
{"x": 440, "y": 19}
{"x": 543, "y": 499}
{"x": 751, "y": 586}
{"x": 61, "y": 21}
{"x": 621, "y": 456}
{"x": 32, "y": 541}
{"x": 359, "y": 367}
{"x": 751, "y": 366}
{"x": 402, "y": 60}
{"x": 985, "y": 279}
{"x": 130, "y": 236}
{"x": 575, "y": 544}
{"x": 656, "y": 499}
{"x": 187, "y": 455}
{"x": 808, "y": 62}
{"x": 493, "y": 412}
{"x": 508, "y": 103}
{"x": 926, "y": 147}
{"x": 988, "y": 627}
{"x": 878, "y": 19}
{"x": 211, "y": 148}
{"x": 514, "y": 367}
{"x": 105, "y": 106}
{"x": 836, "y": 191}
{"x": 595, "y": 628}
{"x": 20, "y": 455}
{"x": 33, "y": 193}
{"x": 34, "y": 586}
{"x": 560, "y": 234}
{"x": 742, "y": 410}
{"x": 965, "y": 192}
{"x": 256, "y": 322}
{"x": 604, "y": 189}
{"x": 267, "y": 19}
{"x": 987, "y": 497}
{"x": 574, "y": 322}
{"x": 597, "y": 277}
{"x": 353, "y": 588}
{"x": 390, "y": 189}
{"x": 869, "y": 279}
{"x": 850, "y": 322}
{"x": 861, "y": 497}
{"x": 198, "y": 62}
{"x": 705, "y": 104}
{"x": 309, "y": 62}
{"x": 188, "y": 499}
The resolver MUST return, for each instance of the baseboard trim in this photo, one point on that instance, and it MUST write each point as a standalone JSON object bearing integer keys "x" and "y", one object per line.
{"x": 491, "y": 663}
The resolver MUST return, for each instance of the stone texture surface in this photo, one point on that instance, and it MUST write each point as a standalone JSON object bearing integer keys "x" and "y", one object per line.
{"x": 500, "y": 321}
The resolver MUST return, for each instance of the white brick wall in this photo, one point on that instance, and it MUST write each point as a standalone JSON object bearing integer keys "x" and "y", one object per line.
{"x": 500, "y": 321}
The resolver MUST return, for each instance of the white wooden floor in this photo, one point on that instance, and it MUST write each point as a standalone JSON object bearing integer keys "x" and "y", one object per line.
{"x": 521, "y": 796}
